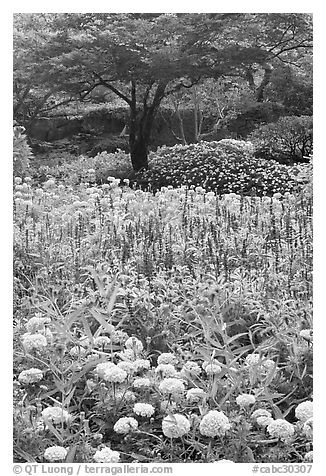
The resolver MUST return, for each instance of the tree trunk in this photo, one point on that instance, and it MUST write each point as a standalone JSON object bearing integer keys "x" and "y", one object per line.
{"x": 139, "y": 153}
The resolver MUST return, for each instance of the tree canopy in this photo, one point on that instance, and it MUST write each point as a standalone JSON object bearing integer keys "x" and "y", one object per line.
{"x": 144, "y": 58}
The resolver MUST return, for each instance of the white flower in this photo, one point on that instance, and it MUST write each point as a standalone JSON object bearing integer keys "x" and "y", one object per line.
{"x": 195, "y": 395}
{"x": 142, "y": 382}
{"x": 128, "y": 367}
{"x": 144, "y": 409}
{"x": 141, "y": 364}
{"x": 55, "y": 453}
{"x": 304, "y": 411}
{"x": 245, "y": 400}
{"x": 214, "y": 423}
{"x": 134, "y": 344}
{"x": 309, "y": 456}
{"x": 30, "y": 376}
{"x": 212, "y": 367}
{"x": 252, "y": 359}
{"x": 306, "y": 334}
{"x": 261, "y": 412}
{"x": 106, "y": 455}
{"x": 115, "y": 375}
{"x": 102, "y": 368}
{"x": 37, "y": 323}
{"x": 55, "y": 415}
{"x": 264, "y": 421}
{"x": 101, "y": 341}
{"x": 127, "y": 355}
{"x": 77, "y": 351}
{"x": 125, "y": 425}
{"x": 33, "y": 341}
{"x": 224, "y": 461}
{"x": 167, "y": 370}
{"x": 167, "y": 358}
{"x": 190, "y": 368}
{"x": 281, "y": 428}
{"x": 168, "y": 405}
{"x": 308, "y": 428}
{"x": 118, "y": 336}
{"x": 175, "y": 425}
{"x": 171, "y": 385}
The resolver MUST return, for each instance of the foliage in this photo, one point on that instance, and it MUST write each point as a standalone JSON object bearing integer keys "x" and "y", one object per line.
{"x": 224, "y": 166}
{"x": 22, "y": 153}
{"x": 286, "y": 140}
{"x": 222, "y": 280}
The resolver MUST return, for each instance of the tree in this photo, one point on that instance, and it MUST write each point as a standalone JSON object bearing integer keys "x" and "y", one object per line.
{"x": 141, "y": 58}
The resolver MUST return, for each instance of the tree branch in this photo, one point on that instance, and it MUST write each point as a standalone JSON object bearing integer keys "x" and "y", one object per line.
{"x": 105, "y": 83}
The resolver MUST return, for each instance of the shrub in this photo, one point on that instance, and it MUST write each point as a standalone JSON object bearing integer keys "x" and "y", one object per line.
{"x": 22, "y": 152}
{"x": 223, "y": 167}
{"x": 286, "y": 140}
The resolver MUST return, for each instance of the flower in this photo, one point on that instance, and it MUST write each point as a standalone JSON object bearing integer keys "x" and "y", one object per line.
{"x": 167, "y": 370}
{"x": 309, "y": 456}
{"x": 252, "y": 359}
{"x": 195, "y": 395}
{"x": 281, "y": 428}
{"x": 125, "y": 425}
{"x": 128, "y": 367}
{"x": 33, "y": 341}
{"x": 175, "y": 425}
{"x": 110, "y": 372}
{"x": 190, "y": 368}
{"x": 55, "y": 453}
{"x": 304, "y": 411}
{"x": 55, "y": 415}
{"x": 168, "y": 405}
{"x": 101, "y": 341}
{"x": 224, "y": 461}
{"x": 77, "y": 351}
{"x": 106, "y": 455}
{"x": 306, "y": 334}
{"x": 142, "y": 382}
{"x": 308, "y": 428}
{"x": 264, "y": 421}
{"x": 127, "y": 354}
{"x": 214, "y": 423}
{"x": 144, "y": 409}
{"x": 134, "y": 344}
{"x": 141, "y": 364}
{"x": 118, "y": 336}
{"x": 37, "y": 323}
{"x": 103, "y": 367}
{"x": 171, "y": 385}
{"x": 261, "y": 412}
{"x": 167, "y": 358}
{"x": 30, "y": 376}
{"x": 212, "y": 367}
{"x": 245, "y": 400}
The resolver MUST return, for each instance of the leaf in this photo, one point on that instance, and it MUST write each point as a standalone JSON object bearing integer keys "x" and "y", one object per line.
{"x": 71, "y": 454}
{"x": 108, "y": 327}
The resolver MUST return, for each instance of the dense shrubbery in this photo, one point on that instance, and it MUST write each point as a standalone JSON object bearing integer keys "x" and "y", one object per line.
{"x": 289, "y": 139}
{"x": 217, "y": 291}
{"x": 225, "y": 166}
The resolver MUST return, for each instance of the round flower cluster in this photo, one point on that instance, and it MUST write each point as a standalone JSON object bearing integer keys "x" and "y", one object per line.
{"x": 128, "y": 396}
{"x": 33, "y": 341}
{"x": 304, "y": 411}
{"x": 110, "y": 372}
{"x": 171, "y": 386}
{"x": 190, "y": 368}
{"x": 106, "y": 455}
{"x": 308, "y": 428}
{"x": 37, "y": 323}
{"x": 30, "y": 376}
{"x": 141, "y": 364}
{"x": 252, "y": 359}
{"x": 142, "y": 382}
{"x": 281, "y": 428}
{"x": 245, "y": 400}
{"x": 307, "y": 334}
{"x": 101, "y": 341}
{"x": 55, "y": 453}
{"x": 125, "y": 425}
{"x": 195, "y": 395}
{"x": 309, "y": 457}
{"x": 175, "y": 425}
{"x": 214, "y": 423}
{"x": 212, "y": 367}
{"x": 55, "y": 415}
{"x": 167, "y": 358}
{"x": 166, "y": 370}
{"x": 264, "y": 421}
{"x": 144, "y": 409}
{"x": 128, "y": 367}
{"x": 261, "y": 412}
{"x": 134, "y": 344}
{"x": 127, "y": 355}
{"x": 118, "y": 337}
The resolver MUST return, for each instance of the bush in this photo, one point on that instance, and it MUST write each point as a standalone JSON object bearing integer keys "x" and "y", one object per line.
{"x": 89, "y": 169}
{"x": 223, "y": 167}
{"x": 22, "y": 153}
{"x": 287, "y": 140}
